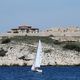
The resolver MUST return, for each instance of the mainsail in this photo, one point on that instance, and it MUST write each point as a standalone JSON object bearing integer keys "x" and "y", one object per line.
{"x": 38, "y": 57}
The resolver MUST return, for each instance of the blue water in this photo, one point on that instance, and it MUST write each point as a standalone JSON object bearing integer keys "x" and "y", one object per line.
{"x": 49, "y": 73}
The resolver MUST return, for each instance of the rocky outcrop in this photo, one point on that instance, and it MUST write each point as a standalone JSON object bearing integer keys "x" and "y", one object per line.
{"x": 24, "y": 54}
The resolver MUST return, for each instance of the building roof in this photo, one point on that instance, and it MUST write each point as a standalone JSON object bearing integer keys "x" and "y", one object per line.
{"x": 15, "y": 29}
{"x": 24, "y": 27}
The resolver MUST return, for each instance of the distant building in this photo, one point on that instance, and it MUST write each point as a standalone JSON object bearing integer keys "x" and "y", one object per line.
{"x": 24, "y": 29}
{"x": 69, "y": 29}
{"x": 72, "y": 29}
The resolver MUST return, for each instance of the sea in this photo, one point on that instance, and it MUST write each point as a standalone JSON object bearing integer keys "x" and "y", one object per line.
{"x": 49, "y": 73}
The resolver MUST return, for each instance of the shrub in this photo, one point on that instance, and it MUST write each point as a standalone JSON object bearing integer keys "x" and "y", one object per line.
{"x": 51, "y": 35}
{"x": 5, "y": 40}
{"x": 32, "y": 39}
{"x": 26, "y": 35}
{"x": 72, "y": 46}
{"x": 32, "y": 49}
{"x": 47, "y": 51}
{"x": 56, "y": 42}
{"x": 2, "y": 52}
{"x": 22, "y": 57}
{"x": 25, "y": 64}
{"x": 14, "y": 65}
{"x": 4, "y": 65}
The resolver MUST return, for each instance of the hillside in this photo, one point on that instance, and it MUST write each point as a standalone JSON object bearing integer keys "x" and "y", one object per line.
{"x": 21, "y": 50}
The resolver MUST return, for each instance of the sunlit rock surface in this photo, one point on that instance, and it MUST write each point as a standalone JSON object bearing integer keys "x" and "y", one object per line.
{"x": 24, "y": 54}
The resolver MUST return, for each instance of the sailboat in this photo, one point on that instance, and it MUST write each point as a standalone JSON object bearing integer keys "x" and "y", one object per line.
{"x": 37, "y": 62}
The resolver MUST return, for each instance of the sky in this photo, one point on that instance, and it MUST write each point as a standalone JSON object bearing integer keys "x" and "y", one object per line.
{"x": 39, "y": 13}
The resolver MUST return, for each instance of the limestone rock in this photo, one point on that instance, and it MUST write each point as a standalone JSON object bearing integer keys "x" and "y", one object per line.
{"x": 24, "y": 54}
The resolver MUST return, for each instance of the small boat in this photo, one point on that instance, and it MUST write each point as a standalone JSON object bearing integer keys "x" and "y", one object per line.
{"x": 37, "y": 61}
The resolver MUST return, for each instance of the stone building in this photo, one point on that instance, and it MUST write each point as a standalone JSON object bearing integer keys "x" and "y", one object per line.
{"x": 24, "y": 29}
{"x": 69, "y": 29}
{"x": 72, "y": 29}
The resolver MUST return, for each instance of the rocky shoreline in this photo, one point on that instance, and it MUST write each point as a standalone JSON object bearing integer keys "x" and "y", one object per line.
{"x": 24, "y": 54}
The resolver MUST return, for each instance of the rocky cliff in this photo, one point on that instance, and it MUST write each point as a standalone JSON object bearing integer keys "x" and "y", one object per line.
{"x": 24, "y": 54}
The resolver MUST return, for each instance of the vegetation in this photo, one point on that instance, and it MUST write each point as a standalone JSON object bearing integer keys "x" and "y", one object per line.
{"x": 14, "y": 65}
{"x": 32, "y": 49}
{"x": 32, "y": 39}
{"x": 57, "y": 42}
{"x": 51, "y": 35}
{"x": 72, "y": 46}
{"x": 5, "y": 40}
{"x": 47, "y": 51}
{"x": 2, "y": 52}
{"x": 4, "y": 65}
{"x": 25, "y": 64}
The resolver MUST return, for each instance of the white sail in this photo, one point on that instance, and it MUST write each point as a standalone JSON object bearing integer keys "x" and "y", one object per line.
{"x": 38, "y": 57}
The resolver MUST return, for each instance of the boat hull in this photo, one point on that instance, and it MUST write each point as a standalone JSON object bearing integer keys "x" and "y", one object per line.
{"x": 37, "y": 70}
